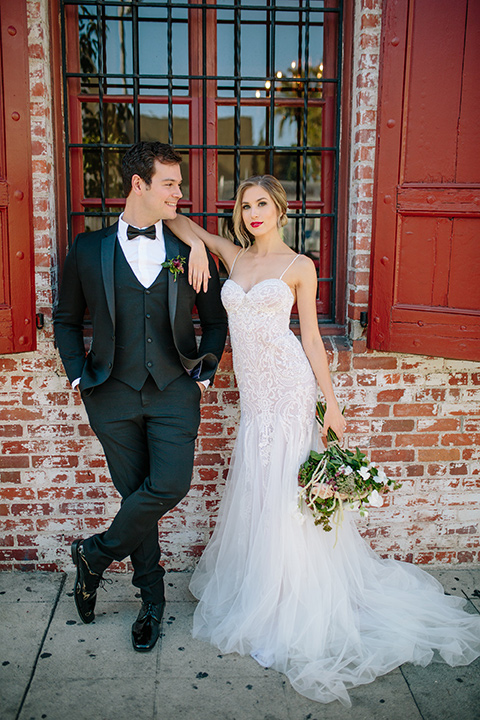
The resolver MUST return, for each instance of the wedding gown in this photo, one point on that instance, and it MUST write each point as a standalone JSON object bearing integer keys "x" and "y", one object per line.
{"x": 330, "y": 615}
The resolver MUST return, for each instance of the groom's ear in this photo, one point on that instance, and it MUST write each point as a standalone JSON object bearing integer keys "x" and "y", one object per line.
{"x": 138, "y": 185}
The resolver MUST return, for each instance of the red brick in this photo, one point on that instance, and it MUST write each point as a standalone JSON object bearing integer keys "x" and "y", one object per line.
{"x": 27, "y": 509}
{"x": 215, "y": 444}
{"x": 18, "y": 493}
{"x": 7, "y": 364}
{"x": 60, "y": 493}
{"x": 14, "y": 461}
{"x": 85, "y": 430}
{"x": 407, "y": 409}
{"x": 50, "y": 430}
{"x": 438, "y": 425}
{"x": 392, "y": 455}
{"x": 375, "y": 362}
{"x": 464, "y": 556}
{"x": 458, "y": 378}
{"x": 438, "y": 454}
{"x": 471, "y": 453}
{"x": 417, "y": 440}
{"x": 84, "y": 476}
{"x": 19, "y": 413}
{"x": 445, "y": 556}
{"x": 436, "y": 394}
{"x": 10, "y": 476}
{"x": 393, "y": 395}
{"x": 54, "y": 461}
{"x": 82, "y": 508}
{"x": 19, "y": 554}
{"x": 379, "y": 410}
{"x": 11, "y": 430}
{"x": 368, "y": 379}
{"x": 398, "y": 425}
{"x": 208, "y": 428}
{"x": 208, "y": 459}
{"x": 460, "y": 439}
{"x": 423, "y": 558}
{"x": 381, "y": 441}
{"x": 414, "y": 470}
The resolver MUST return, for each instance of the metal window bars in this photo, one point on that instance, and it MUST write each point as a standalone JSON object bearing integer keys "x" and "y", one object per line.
{"x": 119, "y": 58}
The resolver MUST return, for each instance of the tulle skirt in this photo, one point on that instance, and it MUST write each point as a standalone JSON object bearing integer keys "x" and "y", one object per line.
{"x": 324, "y": 610}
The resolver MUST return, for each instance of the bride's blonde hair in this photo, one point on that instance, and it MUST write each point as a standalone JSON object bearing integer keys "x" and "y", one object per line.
{"x": 276, "y": 191}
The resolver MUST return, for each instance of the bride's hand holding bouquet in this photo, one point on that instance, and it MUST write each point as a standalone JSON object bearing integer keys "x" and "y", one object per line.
{"x": 339, "y": 479}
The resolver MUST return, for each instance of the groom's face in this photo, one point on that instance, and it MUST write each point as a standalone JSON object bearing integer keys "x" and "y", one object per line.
{"x": 164, "y": 192}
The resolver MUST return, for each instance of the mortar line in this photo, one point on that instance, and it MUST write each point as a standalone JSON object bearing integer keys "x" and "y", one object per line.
{"x": 34, "y": 668}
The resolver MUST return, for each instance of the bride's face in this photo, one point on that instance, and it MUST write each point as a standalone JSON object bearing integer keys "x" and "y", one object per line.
{"x": 259, "y": 212}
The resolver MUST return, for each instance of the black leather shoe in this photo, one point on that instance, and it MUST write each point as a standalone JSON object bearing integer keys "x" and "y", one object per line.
{"x": 146, "y": 628}
{"x": 86, "y": 584}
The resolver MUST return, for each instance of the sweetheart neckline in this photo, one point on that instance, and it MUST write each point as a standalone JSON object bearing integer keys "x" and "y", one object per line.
{"x": 246, "y": 292}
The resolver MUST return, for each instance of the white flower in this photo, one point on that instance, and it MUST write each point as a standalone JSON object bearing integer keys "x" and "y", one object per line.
{"x": 298, "y": 516}
{"x": 364, "y": 472}
{"x": 346, "y": 470}
{"x": 382, "y": 477}
{"x": 375, "y": 499}
{"x": 297, "y": 513}
{"x": 352, "y": 506}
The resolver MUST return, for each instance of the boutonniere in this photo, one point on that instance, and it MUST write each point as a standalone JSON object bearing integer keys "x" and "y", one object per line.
{"x": 175, "y": 265}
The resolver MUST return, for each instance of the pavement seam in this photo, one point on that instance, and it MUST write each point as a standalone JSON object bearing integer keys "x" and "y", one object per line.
{"x": 411, "y": 693}
{"x": 34, "y": 668}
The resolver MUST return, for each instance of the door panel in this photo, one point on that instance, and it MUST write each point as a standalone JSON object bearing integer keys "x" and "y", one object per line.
{"x": 425, "y": 294}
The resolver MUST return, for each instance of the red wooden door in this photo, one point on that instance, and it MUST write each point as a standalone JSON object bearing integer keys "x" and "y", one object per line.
{"x": 17, "y": 313}
{"x": 425, "y": 289}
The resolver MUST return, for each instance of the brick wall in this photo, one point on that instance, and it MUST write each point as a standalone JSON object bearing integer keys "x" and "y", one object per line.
{"x": 418, "y": 417}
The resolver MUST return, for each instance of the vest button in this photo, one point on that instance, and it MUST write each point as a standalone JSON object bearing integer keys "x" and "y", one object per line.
{"x": 149, "y": 364}
{"x": 148, "y": 316}
{"x": 109, "y": 365}
{"x": 147, "y": 292}
{"x": 149, "y": 339}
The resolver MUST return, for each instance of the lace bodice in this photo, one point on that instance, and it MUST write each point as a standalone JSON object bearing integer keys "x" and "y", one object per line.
{"x": 272, "y": 370}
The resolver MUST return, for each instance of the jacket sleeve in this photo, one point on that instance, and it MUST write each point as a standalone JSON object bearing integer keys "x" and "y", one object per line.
{"x": 213, "y": 321}
{"x": 69, "y": 318}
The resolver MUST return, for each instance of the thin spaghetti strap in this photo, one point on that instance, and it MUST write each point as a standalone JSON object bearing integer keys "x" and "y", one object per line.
{"x": 234, "y": 261}
{"x": 288, "y": 266}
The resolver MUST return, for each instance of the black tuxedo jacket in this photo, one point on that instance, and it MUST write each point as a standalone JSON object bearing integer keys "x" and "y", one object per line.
{"x": 88, "y": 282}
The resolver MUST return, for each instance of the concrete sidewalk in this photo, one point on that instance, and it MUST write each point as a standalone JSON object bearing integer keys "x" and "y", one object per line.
{"x": 53, "y": 667}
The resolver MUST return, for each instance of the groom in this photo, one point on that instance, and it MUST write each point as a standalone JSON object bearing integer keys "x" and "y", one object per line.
{"x": 143, "y": 378}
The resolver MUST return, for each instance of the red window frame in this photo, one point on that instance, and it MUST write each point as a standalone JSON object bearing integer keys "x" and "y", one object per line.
{"x": 203, "y": 154}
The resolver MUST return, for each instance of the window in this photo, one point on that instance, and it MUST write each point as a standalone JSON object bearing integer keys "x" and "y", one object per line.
{"x": 237, "y": 90}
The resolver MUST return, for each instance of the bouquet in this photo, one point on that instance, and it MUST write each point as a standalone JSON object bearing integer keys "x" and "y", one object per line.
{"x": 339, "y": 479}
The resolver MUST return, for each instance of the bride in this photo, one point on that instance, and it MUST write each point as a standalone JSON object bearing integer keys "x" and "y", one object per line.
{"x": 328, "y": 613}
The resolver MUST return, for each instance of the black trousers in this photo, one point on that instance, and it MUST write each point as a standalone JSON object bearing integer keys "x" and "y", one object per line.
{"x": 148, "y": 437}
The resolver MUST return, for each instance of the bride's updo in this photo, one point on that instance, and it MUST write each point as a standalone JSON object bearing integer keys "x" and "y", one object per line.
{"x": 276, "y": 191}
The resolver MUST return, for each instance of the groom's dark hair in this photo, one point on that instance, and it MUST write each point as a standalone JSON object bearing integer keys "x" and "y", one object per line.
{"x": 140, "y": 160}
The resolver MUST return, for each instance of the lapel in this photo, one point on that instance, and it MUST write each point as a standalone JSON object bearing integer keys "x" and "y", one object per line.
{"x": 107, "y": 252}
{"x": 172, "y": 249}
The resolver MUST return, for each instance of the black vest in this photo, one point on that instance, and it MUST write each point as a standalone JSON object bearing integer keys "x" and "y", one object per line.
{"x": 143, "y": 335}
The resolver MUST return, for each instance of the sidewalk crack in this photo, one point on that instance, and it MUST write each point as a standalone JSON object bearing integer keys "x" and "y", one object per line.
{"x": 34, "y": 668}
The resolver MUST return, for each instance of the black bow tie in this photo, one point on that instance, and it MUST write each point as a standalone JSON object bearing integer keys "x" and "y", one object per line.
{"x": 149, "y": 232}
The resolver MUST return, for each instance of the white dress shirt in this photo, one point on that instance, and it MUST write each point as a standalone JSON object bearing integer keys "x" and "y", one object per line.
{"x": 144, "y": 256}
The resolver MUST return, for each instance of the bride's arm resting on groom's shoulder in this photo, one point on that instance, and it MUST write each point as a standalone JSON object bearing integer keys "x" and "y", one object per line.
{"x": 305, "y": 282}
{"x": 197, "y": 238}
